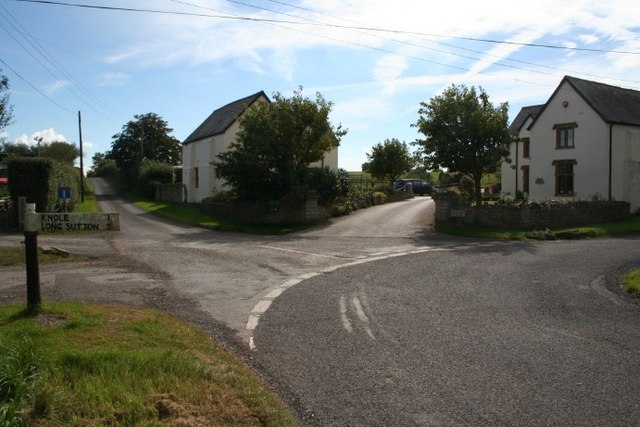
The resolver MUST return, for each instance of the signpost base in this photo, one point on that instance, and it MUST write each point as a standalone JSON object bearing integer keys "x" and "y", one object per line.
{"x": 33, "y": 269}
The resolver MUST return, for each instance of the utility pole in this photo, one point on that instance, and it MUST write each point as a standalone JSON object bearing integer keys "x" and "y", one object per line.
{"x": 81, "y": 158}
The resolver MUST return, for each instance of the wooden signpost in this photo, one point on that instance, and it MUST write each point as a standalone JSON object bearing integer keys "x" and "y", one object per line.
{"x": 64, "y": 222}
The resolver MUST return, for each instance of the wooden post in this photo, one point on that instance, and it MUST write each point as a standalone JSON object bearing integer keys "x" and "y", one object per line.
{"x": 31, "y": 257}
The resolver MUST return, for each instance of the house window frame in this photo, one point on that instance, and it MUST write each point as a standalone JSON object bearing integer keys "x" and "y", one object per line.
{"x": 196, "y": 177}
{"x": 526, "y": 148}
{"x": 525, "y": 179}
{"x": 565, "y": 174}
{"x": 565, "y": 135}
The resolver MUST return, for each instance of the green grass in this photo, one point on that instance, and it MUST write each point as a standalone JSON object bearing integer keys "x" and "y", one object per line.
{"x": 10, "y": 256}
{"x": 90, "y": 204}
{"x": 631, "y": 282}
{"x": 190, "y": 214}
{"x": 74, "y": 364}
{"x": 628, "y": 226}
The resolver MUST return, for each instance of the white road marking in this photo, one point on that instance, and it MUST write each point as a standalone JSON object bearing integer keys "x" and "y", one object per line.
{"x": 262, "y": 306}
{"x": 299, "y": 252}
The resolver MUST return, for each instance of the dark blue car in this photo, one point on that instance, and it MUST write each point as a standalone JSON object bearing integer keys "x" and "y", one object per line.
{"x": 417, "y": 185}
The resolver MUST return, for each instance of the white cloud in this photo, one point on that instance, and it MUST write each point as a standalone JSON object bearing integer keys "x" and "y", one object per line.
{"x": 113, "y": 79}
{"x": 47, "y": 135}
{"x": 56, "y": 86}
{"x": 388, "y": 69}
{"x": 588, "y": 38}
{"x": 271, "y": 49}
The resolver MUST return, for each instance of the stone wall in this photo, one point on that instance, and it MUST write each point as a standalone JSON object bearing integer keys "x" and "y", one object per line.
{"x": 273, "y": 213}
{"x": 531, "y": 215}
{"x": 171, "y": 192}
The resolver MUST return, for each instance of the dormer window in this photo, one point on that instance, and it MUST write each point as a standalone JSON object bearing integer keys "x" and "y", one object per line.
{"x": 565, "y": 135}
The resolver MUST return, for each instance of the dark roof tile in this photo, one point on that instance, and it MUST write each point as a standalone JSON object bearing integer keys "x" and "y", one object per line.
{"x": 614, "y": 104}
{"x": 523, "y": 115}
{"x": 220, "y": 120}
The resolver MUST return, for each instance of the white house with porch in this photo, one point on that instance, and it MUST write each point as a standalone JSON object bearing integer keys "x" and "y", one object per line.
{"x": 583, "y": 143}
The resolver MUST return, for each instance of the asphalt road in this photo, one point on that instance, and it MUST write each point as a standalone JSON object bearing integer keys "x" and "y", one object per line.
{"x": 223, "y": 275}
{"x": 465, "y": 335}
{"x": 374, "y": 319}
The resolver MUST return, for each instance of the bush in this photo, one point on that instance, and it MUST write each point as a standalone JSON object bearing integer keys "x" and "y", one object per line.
{"x": 325, "y": 182}
{"x": 385, "y": 188}
{"x": 379, "y": 198}
{"x": 38, "y": 180}
{"x": 108, "y": 168}
{"x": 152, "y": 174}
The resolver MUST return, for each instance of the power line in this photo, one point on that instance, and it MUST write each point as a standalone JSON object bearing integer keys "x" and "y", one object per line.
{"x": 324, "y": 24}
{"x": 36, "y": 89}
{"x": 563, "y": 71}
{"x": 50, "y": 61}
{"x": 352, "y": 43}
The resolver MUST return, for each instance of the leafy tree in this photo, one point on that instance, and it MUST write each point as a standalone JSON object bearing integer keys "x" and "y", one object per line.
{"x": 152, "y": 174}
{"x": 97, "y": 160}
{"x": 275, "y": 145}
{"x": 6, "y": 109}
{"x": 389, "y": 160}
{"x": 61, "y": 151}
{"x": 17, "y": 149}
{"x": 145, "y": 138}
{"x": 464, "y": 133}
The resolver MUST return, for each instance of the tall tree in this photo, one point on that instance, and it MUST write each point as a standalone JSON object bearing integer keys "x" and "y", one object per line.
{"x": 389, "y": 160}
{"x": 6, "y": 109}
{"x": 275, "y": 145}
{"x": 61, "y": 151}
{"x": 464, "y": 132}
{"x": 17, "y": 149}
{"x": 145, "y": 138}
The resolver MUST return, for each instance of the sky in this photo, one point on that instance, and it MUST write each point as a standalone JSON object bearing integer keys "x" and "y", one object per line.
{"x": 375, "y": 60}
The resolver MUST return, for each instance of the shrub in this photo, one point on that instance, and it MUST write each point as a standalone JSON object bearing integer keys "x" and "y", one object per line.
{"x": 108, "y": 168}
{"x": 379, "y": 198}
{"x": 325, "y": 182}
{"x": 385, "y": 188}
{"x": 152, "y": 174}
{"x": 38, "y": 180}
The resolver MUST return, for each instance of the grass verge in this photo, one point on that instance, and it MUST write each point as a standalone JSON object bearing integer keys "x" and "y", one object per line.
{"x": 75, "y": 364}
{"x": 631, "y": 282}
{"x": 628, "y": 226}
{"x": 90, "y": 204}
{"x": 15, "y": 256}
{"x": 190, "y": 214}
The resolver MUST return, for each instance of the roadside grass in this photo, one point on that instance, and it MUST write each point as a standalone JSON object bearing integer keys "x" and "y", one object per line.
{"x": 90, "y": 204}
{"x": 631, "y": 282}
{"x": 190, "y": 214}
{"x": 11, "y": 256}
{"x": 76, "y": 364}
{"x": 630, "y": 225}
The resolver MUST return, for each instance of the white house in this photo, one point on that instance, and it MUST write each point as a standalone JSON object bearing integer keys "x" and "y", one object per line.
{"x": 583, "y": 143}
{"x": 213, "y": 137}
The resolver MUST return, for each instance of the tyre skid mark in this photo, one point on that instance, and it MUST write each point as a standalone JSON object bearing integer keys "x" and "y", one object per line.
{"x": 262, "y": 306}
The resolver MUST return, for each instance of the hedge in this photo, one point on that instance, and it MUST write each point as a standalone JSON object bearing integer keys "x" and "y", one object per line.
{"x": 38, "y": 180}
